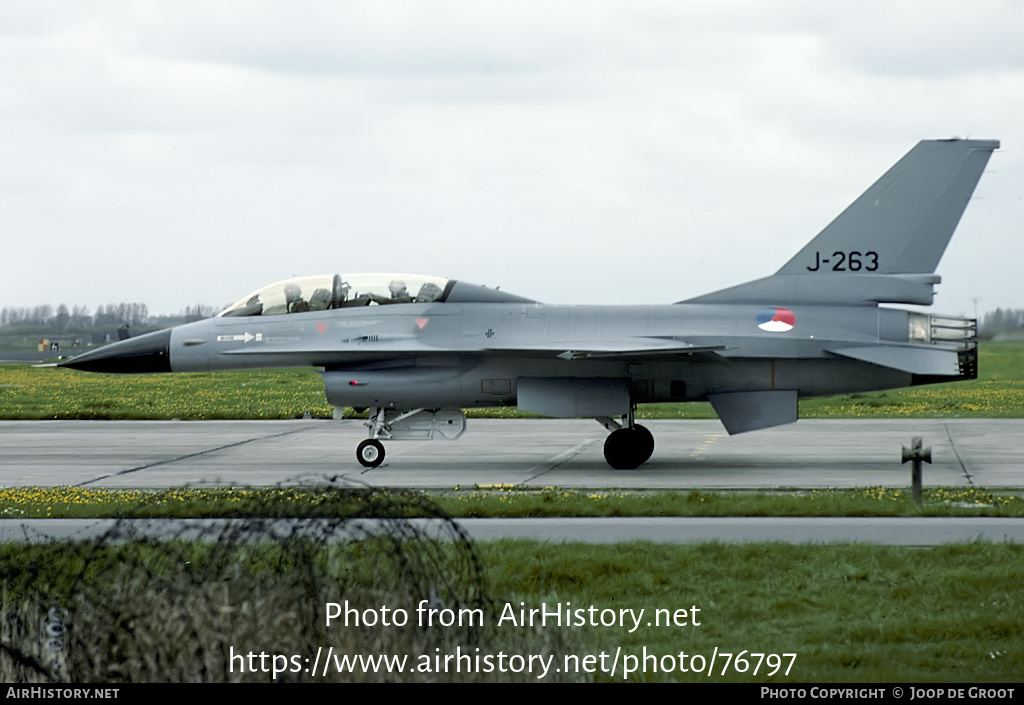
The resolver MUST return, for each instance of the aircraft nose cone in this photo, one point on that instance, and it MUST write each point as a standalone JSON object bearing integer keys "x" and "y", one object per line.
{"x": 147, "y": 353}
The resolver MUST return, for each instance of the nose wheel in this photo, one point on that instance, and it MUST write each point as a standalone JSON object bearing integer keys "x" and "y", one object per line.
{"x": 370, "y": 453}
{"x": 628, "y": 448}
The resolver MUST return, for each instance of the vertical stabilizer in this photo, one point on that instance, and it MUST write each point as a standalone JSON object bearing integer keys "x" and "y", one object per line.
{"x": 885, "y": 246}
{"x": 907, "y": 217}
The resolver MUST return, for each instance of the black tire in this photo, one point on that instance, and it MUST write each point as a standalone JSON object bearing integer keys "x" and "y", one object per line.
{"x": 628, "y": 448}
{"x": 370, "y": 453}
{"x": 616, "y": 451}
{"x": 644, "y": 444}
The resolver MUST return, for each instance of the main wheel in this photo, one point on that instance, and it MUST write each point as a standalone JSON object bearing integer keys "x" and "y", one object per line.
{"x": 616, "y": 449}
{"x": 628, "y": 448}
{"x": 644, "y": 444}
{"x": 370, "y": 453}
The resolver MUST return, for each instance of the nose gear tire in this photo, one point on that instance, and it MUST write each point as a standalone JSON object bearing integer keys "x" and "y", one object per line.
{"x": 370, "y": 453}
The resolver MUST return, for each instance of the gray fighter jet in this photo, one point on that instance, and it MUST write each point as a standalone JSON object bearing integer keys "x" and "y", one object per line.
{"x": 417, "y": 350}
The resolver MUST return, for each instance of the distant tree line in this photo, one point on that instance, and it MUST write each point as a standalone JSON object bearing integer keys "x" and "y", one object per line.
{"x": 63, "y": 320}
{"x": 1001, "y": 321}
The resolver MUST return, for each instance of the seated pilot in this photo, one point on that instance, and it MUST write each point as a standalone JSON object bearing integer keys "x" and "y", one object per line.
{"x": 399, "y": 294}
{"x": 293, "y": 299}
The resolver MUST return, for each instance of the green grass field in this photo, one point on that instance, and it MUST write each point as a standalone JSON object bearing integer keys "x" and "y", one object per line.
{"x": 852, "y": 613}
{"x": 57, "y": 393}
{"x": 784, "y": 613}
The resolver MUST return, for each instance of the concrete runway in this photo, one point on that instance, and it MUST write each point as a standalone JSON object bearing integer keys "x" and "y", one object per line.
{"x": 531, "y": 453}
{"x": 688, "y": 454}
{"x": 887, "y": 531}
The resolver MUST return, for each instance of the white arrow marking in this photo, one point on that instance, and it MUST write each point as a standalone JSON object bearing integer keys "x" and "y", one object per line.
{"x": 245, "y": 337}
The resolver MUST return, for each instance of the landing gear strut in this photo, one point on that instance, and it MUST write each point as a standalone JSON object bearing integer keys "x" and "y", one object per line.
{"x": 627, "y": 447}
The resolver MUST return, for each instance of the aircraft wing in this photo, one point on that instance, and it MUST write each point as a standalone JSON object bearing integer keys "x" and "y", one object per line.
{"x": 625, "y": 349}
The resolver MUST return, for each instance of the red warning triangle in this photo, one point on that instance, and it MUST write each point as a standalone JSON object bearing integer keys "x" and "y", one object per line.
{"x": 321, "y": 327}
{"x": 420, "y": 322}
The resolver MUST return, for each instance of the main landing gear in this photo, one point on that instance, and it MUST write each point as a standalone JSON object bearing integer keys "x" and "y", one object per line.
{"x": 627, "y": 447}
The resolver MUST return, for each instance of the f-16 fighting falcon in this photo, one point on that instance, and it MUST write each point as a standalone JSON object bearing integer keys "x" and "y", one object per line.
{"x": 416, "y": 350}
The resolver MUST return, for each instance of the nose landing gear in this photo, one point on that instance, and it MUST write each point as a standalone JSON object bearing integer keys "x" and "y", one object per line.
{"x": 370, "y": 453}
{"x": 413, "y": 425}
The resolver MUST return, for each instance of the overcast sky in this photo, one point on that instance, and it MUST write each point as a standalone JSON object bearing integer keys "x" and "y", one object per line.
{"x": 173, "y": 153}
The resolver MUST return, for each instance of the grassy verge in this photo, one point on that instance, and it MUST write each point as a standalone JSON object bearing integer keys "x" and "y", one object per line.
{"x": 58, "y": 393}
{"x": 854, "y": 613}
{"x": 850, "y": 613}
{"x": 71, "y": 502}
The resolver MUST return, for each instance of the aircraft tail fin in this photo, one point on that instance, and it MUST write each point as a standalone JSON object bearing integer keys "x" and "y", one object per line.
{"x": 907, "y": 216}
{"x": 886, "y": 245}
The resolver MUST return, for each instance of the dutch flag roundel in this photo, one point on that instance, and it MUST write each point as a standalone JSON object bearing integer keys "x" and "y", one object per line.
{"x": 776, "y": 320}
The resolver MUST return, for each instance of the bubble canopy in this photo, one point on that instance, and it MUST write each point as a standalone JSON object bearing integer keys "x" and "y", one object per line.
{"x": 327, "y": 291}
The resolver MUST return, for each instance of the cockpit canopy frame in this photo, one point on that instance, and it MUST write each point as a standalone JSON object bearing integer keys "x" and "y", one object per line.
{"x": 328, "y": 291}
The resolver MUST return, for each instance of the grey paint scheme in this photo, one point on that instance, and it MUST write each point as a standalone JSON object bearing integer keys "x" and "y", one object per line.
{"x": 483, "y": 347}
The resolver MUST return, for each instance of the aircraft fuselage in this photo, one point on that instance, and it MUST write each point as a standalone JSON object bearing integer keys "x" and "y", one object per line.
{"x": 472, "y": 355}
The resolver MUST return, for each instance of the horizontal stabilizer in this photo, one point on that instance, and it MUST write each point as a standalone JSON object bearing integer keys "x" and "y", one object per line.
{"x": 918, "y": 360}
{"x": 750, "y": 411}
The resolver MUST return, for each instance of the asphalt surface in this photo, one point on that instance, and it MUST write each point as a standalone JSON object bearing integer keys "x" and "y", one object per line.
{"x": 530, "y": 453}
{"x": 688, "y": 454}
{"x": 893, "y": 531}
